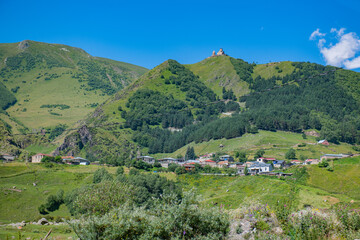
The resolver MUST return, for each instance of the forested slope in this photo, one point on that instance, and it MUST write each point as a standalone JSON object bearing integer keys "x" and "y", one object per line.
{"x": 171, "y": 106}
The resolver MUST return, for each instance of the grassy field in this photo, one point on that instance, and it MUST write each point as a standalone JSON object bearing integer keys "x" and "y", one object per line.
{"x": 343, "y": 180}
{"x": 273, "y": 69}
{"x": 16, "y": 206}
{"x": 322, "y": 189}
{"x": 46, "y": 149}
{"x": 275, "y": 144}
{"x": 23, "y": 204}
{"x": 218, "y": 72}
{"x": 37, "y": 232}
{"x": 234, "y": 192}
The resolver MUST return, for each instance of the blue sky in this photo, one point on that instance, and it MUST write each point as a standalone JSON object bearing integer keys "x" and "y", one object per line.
{"x": 147, "y": 33}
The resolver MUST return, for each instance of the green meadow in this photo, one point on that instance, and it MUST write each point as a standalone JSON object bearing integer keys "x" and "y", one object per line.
{"x": 275, "y": 144}
{"x": 318, "y": 188}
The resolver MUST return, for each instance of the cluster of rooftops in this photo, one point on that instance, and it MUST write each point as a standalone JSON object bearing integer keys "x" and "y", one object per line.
{"x": 261, "y": 164}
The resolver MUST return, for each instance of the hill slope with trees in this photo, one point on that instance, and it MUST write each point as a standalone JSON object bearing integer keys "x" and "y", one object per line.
{"x": 172, "y": 106}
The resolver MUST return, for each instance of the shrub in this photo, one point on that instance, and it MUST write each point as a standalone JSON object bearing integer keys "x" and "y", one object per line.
{"x": 350, "y": 218}
{"x": 262, "y": 225}
{"x": 101, "y": 175}
{"x": 53, "y": 202}
{"x": 323, "y": 164}
{"x": 310, "y": 225}
{"x": 98, "y": 199}
{"x": 42, "y": 209}
{"x": 119, "y": 171}
{"x": 168, "y": 219}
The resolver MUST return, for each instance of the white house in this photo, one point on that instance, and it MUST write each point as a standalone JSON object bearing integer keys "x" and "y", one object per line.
{"x": 259, "y": 167}
{"x": 147, "y": 159}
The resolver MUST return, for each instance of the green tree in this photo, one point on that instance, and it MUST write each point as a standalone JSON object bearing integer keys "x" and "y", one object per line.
{"x": 291, "y": 154}
{"x": 134, "y": 171}
{"x": 242, "y": 157}
{"x": 100, "y": 175}
{"x": 259, "y": 153}
{"x": 172, "y": 167}
{"x": 190, "y": 153}
{"x": 120, "y": 171}
{"x": 246, "y": 170}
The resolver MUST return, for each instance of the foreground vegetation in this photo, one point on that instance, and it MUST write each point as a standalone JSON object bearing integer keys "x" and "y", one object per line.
{"x": 132, "y": 202}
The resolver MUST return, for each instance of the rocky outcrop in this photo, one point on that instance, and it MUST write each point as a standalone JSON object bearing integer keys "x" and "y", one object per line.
{"x": 43, "y": 221}
{"x": 312, "y": 133}
{"x": 75, "y": 142}
{"x": 23, "y": 45}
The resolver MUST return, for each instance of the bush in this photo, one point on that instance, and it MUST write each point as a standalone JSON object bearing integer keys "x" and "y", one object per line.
{"x": 98, "y": 199}
{"x": 262, "y": 225}
{"x": 168, "y": 219}
{"x": 53, "y": 202}
{"x": 101, "y": 175}
{"x": 119, "y": 171}
{"x": 42, "y": 209}
{"x": 323, "y": 164}
{"x": 308, "y": 225}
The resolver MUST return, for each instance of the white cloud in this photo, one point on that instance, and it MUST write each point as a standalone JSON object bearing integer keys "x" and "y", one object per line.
{"x": 352, "y": 64}
{"x": 346, "y": 48}
{"x": 339, "y": 32}
{"x": 343, "y": 51}
{"x": 321, "y": 42}
{"x": 315, "y": 34}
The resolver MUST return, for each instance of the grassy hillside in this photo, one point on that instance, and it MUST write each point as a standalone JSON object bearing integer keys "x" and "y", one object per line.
{"x": 275, "y": 144}
{"x": 218, "y": 72}
{"x": 294, "y": 97}
{"x": 169, "y": 82}
{"x": 269, "y": 70}
{"x": 55, "y": 83}
{"x": 343, "y": 180}
{"x": 24, "y": 204}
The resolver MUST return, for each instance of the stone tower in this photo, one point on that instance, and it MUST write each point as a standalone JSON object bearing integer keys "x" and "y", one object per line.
{"x": 221, "y": 52}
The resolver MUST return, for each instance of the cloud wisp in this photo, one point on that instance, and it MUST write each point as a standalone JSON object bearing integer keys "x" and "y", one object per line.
{"x": 342, "y": 51}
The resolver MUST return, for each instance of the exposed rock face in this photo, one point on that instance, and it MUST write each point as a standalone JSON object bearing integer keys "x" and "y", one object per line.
{"x": 42, "y": 221}
{"x": 85, "y": 135}
{"x": 75, "y": 142}
{"x": 312, "y": 133}
{"x": 23, "y": 45}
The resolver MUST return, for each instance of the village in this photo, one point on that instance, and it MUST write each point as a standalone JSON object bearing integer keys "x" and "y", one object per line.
{"x": 259, "y": 166}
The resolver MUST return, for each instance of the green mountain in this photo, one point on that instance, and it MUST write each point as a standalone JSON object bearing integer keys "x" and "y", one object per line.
{"x": 43, "y": 85}
{"x": 174, "y": 105}
{"x": 219, "y": 72}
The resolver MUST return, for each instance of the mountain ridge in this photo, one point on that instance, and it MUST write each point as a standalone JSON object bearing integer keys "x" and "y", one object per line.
{"x": 281, "y": 75}
{"x": 42, "y": 74}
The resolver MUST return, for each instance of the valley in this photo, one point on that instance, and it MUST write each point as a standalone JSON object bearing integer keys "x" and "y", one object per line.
{"x": 88, "y": 138}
